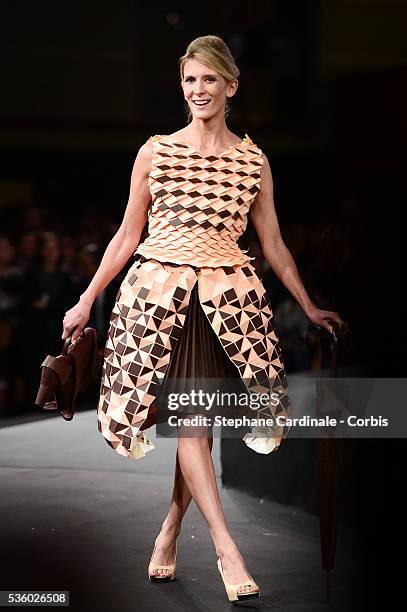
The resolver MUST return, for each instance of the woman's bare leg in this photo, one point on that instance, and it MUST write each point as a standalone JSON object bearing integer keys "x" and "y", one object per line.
{"x": 199, "y": 474}
{"x": 171, "y": 527}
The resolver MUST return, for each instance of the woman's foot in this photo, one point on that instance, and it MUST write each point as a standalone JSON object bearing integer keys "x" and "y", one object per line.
{"x": 235, "y": 571}
{"x": 164, "y": 553}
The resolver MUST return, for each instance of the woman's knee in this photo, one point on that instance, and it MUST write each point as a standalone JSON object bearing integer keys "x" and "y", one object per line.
{"x": 188, "y": 429}
{"x": 198, "y": 437}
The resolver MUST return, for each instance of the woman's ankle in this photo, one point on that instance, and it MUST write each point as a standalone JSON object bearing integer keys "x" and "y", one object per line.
{"x": 171, "y": 527}
{"x": 226, "y": 547}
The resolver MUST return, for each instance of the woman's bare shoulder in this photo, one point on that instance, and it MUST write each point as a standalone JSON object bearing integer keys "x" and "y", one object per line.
{"x": 143, "y": 161}
{"x": 145, "y": 152}
{"x": 146, "y": 148}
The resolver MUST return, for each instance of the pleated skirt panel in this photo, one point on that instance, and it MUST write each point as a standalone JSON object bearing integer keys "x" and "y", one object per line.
{"x": 198, "y": 363}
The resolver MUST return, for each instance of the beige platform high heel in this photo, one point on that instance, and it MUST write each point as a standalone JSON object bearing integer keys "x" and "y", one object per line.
{"x": 232, "y": 589}
{"x": 165, "y": 577}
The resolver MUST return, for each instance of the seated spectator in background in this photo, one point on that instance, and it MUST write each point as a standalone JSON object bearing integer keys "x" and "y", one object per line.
{"x": 47, "y": 294}
{"x": 11, "y": 280}
{"x": 27, "y": 251}
{"x": 69, "y": 254}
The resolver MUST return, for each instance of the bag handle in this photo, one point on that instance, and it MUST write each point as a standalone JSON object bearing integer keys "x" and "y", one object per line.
{"x": 68, "y": 341}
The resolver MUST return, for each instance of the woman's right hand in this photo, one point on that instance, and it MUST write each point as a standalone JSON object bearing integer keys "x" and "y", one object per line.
{"x": 75, "y": 320}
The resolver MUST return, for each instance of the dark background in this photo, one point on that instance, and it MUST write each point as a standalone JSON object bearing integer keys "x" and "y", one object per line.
{"x": 323, "y": 91}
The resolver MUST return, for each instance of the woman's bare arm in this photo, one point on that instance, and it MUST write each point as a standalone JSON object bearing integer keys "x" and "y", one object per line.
{"x": 264, "y": 218}
{"x": 127, "y": 237}
{"x": 121, "y": 246}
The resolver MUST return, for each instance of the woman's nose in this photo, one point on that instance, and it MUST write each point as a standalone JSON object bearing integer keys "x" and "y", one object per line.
{"x": 199, "y": 88}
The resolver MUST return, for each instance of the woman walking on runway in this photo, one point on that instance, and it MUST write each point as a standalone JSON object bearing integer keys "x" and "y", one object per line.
{"x": 192, "y": 305}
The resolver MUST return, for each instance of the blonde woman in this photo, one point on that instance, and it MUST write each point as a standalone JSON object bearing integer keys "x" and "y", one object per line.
{"x": 191, "y": 304}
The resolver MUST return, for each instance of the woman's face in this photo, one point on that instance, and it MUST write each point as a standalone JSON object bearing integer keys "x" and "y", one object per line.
{"x": 201, "y": 83}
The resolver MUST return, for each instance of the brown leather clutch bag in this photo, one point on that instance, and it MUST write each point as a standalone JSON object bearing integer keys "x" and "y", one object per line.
{"x": 65, "y": 376}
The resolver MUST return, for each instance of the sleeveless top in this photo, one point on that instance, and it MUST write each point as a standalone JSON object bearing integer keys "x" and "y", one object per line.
{"x": 200, "y": 203}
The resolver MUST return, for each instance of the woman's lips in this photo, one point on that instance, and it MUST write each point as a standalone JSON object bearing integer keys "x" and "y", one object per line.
{"x": 200, "y": 103}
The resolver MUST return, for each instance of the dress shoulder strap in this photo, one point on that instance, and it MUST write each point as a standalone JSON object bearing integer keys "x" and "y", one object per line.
{"x": 248, "y": 139}
{"x": 155, "y": 137}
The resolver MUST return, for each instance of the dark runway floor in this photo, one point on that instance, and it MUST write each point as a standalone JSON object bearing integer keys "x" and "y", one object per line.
{"x": 78, "y": 517}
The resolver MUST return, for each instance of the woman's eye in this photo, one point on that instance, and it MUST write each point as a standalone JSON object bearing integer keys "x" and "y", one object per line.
{"x": 189, "y": 79}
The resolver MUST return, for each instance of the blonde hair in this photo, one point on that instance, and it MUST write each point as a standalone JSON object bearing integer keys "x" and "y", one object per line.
{"x": 211, "y": 51}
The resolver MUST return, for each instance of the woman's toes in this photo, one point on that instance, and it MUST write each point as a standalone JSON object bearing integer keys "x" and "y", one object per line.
{"x": 160, "y": 572}
{"x": 248, "y": 589}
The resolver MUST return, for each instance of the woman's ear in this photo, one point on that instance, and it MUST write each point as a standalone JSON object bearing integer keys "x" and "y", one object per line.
{"x": 232, "y": 88}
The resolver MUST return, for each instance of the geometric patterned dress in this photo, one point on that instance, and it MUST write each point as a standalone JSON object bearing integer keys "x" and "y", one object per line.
{"x": 198, "y": 212}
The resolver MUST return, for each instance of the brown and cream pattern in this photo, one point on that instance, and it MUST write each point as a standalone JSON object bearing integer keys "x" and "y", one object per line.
{"x": 200, "y": 204}
{"x": 145, "y": 325}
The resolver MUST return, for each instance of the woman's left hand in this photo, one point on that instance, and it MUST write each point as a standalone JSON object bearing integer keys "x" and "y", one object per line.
{"x": 326, "y": 318}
